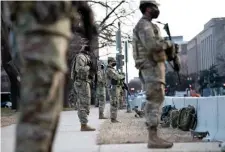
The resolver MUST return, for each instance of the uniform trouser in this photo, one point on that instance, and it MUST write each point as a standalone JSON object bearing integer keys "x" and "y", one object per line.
{"x": 121, "y": 98}
{"x": 42, "y": 81}
{"x": 114, "y": 98}
{"x": 83, "y": 90}
{"x": 155, "y": 97}
{"x": 101, "y": 98}
{"x": 73, "y": 97}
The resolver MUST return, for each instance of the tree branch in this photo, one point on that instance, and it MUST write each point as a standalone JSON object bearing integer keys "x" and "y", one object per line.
{"x": 113, "y": 10}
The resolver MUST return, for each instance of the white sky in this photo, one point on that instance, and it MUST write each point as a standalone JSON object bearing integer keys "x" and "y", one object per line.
{"x": 185, "y": 17}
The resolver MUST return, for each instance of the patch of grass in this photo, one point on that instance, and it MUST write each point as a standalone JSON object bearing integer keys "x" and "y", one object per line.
{"x": 69, "y": 109}
{"x": 7, "y": 112}
{"x": 133, "y": 130}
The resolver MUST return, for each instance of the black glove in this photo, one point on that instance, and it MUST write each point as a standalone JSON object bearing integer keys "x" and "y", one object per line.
{"x": 89, "y": 63}
{"x": 90, "y": 77}
{"x": 176, "y": 46}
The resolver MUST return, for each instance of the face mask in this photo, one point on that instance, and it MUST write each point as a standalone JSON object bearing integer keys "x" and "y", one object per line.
{"x": 113, "y": 64}
{"x": 155, "y": 12}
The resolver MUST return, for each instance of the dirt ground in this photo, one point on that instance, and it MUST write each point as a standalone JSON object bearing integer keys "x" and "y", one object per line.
{"x": 8, "y": 117}
{"x": 133, "y": 130}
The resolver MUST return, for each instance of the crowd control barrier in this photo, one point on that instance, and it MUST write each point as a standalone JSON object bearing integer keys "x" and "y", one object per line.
{"x": 210, "y": 114}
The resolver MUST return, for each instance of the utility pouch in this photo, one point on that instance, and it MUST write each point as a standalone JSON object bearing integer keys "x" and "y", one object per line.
{"x": 114, "y": 82}
{"x": 159, "y": 56}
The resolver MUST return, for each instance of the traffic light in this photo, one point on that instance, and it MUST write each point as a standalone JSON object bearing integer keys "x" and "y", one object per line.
{"x": 120, "y": 60}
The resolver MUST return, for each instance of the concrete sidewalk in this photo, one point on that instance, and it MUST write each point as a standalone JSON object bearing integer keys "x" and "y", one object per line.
{"x": 70, "y": 139}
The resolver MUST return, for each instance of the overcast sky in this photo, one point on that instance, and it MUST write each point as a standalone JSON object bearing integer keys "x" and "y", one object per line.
{"x": 185, "y": 17}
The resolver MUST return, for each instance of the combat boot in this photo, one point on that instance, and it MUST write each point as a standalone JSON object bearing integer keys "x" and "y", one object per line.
{"x": 155, "y": 142}
{"x": 101, "y": 116}
{"x": 114, "y": 121}
{"x": 85, "y": 127}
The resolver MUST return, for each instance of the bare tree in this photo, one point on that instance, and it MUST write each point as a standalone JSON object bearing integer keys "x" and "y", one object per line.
{"x": 119, "y": 11}
{"x": 107, "y": 28}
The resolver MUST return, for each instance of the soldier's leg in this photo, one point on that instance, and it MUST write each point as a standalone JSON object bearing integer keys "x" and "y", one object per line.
{"x": 120, "y": 97}
{"x": 102, "y": 100}
{"x": 114, "y": 104}
{"x": 75, "y": 99}
{"x": 84, "y": 100}
{"x": 97, "y": 97}
{"x": 41, "y": 91}
{"x": 155, "y": 97}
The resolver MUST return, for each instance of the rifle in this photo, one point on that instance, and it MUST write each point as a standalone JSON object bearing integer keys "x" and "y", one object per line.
{"x": 126, "y": 87}
{"x": 166, "y": 28}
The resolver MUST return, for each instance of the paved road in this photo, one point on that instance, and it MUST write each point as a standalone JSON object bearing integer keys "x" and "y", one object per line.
{"x": 70, "y": 139}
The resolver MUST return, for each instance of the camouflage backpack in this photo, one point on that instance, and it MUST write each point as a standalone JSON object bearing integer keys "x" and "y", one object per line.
{"x": 174, "y": 114}
{"x": 187, "y": 118}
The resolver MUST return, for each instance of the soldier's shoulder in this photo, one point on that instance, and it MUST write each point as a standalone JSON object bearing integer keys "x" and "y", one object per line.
{"x": 109, "y": 68}
{"x": 155, "y": 26}
{"x": 81, "y": 56}
{"x": 142, "y": 23}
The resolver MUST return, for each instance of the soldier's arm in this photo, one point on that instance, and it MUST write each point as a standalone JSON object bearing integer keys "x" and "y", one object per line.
{"x": 148, "y": 39}
{"x": 81, "y": 64}
{"x": 114, "y": 74}
{"x": 99, "y": 75}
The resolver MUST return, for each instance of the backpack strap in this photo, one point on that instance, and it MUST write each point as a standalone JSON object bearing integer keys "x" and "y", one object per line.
{"x": 179, "y": 117}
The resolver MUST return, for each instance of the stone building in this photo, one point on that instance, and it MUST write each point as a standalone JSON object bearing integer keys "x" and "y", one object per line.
{"x": 204, "y": 49}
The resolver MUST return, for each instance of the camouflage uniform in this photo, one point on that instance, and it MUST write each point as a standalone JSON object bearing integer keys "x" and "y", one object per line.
{"x": 121, "y": 94}
{"x": 43, "y": 68}
{"x": 101, "y": 91}
{"x": 149, "y": 55}
{"x": 73, "y": 97}
{"x": 121, "y": 98}
{"x": 73, "y": 94}
{"x": 113, "y": 89}
{"x": 83, "y": 89}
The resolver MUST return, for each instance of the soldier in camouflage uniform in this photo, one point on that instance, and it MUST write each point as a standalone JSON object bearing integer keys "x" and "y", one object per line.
{"x": 101, "y": 91}
{"x": 43, "y": 31}
{"x": 113, "y": 79}
{"x": 42, "y": 45}
{"x": 149, "y": 52}
{"x": 73, "y": 94}
{"x": 82, "y": 87}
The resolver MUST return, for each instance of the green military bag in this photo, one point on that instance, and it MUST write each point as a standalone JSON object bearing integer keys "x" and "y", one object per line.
{"x": 174, "y": 114}
{"x": 187, "y": 118}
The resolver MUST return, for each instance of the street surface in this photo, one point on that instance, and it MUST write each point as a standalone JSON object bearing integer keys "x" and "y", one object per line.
{"x": 70, "y": 139}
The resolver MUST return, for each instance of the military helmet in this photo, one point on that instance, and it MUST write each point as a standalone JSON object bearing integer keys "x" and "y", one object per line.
{"x": 149, "y": 1}
{"x": 111, "y": 59}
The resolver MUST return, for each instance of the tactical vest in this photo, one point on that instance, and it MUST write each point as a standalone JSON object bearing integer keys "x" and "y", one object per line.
{"x": 140, "y": 53}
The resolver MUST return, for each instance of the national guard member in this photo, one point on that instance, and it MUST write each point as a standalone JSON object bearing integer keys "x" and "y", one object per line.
{"x": 101, "y": 90}
{"x": 150, "y": 56}
{"x": 43, "y": 31}
{"x": 113, "y": 79}
{"x": 83, "y": 88}
{"x": 73, "y": 94}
